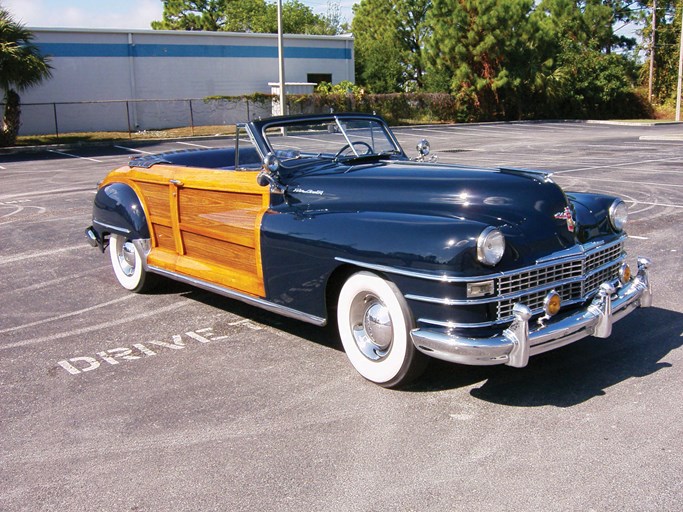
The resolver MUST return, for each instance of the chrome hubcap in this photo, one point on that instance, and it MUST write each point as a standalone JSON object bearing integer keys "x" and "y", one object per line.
{"x": 126, "y": 255}
{"x": 371, "y": 326}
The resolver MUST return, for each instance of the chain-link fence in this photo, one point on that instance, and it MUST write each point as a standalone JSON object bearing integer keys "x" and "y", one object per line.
{"x": 135, "y": 116}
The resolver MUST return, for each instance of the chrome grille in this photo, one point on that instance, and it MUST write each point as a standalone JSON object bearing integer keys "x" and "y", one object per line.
{"x": 575, "y": 280}
{"x": 539, "y": 277}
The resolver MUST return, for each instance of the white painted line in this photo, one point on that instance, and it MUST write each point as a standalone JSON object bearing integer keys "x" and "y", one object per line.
{"x": 195, "y": 145}
{"x": 635, "y": 164}
{"x": 612, "y": 180}
{"x": 47, "y": 192}
{"x": 73, "y": 156}
{"x": 96, "y": 327}
{"x": 656, "y": 204}
{"x": 134, "y": 150}
{"x": 445, "y": 137}
{"x": 3, "y": 168}
{"x": 638, "y": 237}
{"x": 662, "y": 137}
{"x": 68, "y": 315}
{"x": 28, "y": 255}
{"x": 21, "y": 208}
{"x": 39, "y": 285}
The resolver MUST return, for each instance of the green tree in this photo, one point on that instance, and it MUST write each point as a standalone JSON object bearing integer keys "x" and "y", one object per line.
{"x": 247, "y": 16}
{"x": 668, "y": 32}
{"x": 587, "y": 78}
{"x": 21, "y": 66}
{"x": 389, "y": 43}
{"x": 483, "y": 50}
{"x": 192, "y": 15}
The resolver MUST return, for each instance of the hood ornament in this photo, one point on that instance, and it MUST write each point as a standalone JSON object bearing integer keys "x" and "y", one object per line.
{"x": 566, "y": 214}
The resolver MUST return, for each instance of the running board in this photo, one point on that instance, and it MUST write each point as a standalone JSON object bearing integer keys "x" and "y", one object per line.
{"x": 247, "y": 299}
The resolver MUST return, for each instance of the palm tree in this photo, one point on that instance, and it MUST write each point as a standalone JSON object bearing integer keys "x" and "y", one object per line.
{"x": 21, "y": 66}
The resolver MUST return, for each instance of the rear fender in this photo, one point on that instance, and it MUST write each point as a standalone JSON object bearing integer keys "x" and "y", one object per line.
{"x": 118, "y": 210}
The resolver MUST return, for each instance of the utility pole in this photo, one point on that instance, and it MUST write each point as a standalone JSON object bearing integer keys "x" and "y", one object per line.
{"x": 652, "y": 50}
{"x": 680, "y": 72}
{"x": 281, "y": 59}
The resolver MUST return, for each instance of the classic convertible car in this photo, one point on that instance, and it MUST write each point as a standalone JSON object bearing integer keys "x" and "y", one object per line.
{"x": 324, "y": 218}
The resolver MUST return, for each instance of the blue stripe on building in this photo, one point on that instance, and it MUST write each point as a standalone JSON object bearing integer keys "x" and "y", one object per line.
{"x": 188, "y": 50}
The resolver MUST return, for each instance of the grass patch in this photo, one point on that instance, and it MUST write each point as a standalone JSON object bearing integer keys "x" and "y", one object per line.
{"x": 169, "y": 133}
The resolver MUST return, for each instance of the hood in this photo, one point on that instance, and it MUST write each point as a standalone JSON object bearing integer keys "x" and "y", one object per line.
{"x": 523, "y": 204}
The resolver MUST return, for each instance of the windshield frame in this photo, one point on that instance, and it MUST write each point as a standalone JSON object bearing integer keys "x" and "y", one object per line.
{"x": 262, "y": 131}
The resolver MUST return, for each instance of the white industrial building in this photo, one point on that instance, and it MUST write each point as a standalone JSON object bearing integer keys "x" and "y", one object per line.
{"x": 123, "y": 67}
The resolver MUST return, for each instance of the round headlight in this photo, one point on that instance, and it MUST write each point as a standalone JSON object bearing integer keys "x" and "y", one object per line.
{"x": 490, "y": 246}
{"x": 618, "y": 214}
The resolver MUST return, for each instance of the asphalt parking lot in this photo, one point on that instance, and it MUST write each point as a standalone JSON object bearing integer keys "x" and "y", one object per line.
{"x": 183, "y": 400}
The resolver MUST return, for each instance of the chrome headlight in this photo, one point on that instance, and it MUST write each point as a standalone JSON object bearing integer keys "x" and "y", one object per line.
{"x": 618, "y": 214}
{"x": 490, "y": 246}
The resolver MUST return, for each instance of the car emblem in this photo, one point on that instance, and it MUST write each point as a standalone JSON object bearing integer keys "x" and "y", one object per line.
{"x": 566, "y": 214}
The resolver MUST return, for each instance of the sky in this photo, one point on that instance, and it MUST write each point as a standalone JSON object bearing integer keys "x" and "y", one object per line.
{"x": 124, "y": 14}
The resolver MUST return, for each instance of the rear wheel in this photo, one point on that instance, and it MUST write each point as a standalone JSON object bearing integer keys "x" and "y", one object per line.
{"x": 374, "y": 325}
{"x": 127, "y": 263}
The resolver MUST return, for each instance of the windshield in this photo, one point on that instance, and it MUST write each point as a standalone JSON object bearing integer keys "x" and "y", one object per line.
{"x": 330, "y": 138}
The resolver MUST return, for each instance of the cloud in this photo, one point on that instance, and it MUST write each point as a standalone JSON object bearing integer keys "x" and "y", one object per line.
{"x": 123, "y": 14}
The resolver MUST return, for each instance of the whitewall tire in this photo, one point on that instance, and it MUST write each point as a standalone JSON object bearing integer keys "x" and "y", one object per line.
{"x": 127, "y": 263}
{"x": 374, "y": 325}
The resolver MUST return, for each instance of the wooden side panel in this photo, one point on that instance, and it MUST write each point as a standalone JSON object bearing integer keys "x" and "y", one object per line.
{"x": 204, "y": 223}
{"x": 156, "y": 198}
{"x": 220, "y": 215}
{"x": 219, "y": 229}
{"x": 163, "y": 237}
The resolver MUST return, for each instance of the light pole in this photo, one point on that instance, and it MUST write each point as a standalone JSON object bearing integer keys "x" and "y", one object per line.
{"x": 680, "y": 73}
{"x": 281, "y": 59}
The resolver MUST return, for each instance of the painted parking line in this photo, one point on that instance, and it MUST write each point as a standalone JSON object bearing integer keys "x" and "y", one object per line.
{"x": 4, "y": 260}
{"x": 64, "y": 153}
{"x": 67, "y": 315}
{"x": 657, "y": 204}
{"x": 96, "y": 327}
{"x": 431, "y": 131}
{"x": 60, "y": 191}
{"x": 132, "y": 150}
{"x": 638, "y": 237}
{"x": 635, "y": 164}
{"x": 619, "y": 181}
{"x": 21, "y": 208}
{"x": 194, "y": 145}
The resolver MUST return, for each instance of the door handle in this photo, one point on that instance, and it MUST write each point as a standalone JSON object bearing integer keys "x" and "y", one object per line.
{"x": 177, "y": 183}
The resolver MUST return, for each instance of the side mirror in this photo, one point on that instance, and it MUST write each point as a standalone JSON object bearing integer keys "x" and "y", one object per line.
{"x": 271, "y": 163}
{"x": 268, "y": 176}
{"x": 423, "y": 148}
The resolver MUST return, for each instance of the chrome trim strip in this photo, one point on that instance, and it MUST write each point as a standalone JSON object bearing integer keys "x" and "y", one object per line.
{"x": 111, "y": 226}
{"x": 452, "y": 279}
{"x": 504, "y": 320}
{"x": 522, "y": 293}
{"x": 232, "y": 294}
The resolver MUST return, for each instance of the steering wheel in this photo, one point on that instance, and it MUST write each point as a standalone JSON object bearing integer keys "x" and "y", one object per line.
{"x": 354, "y": 143}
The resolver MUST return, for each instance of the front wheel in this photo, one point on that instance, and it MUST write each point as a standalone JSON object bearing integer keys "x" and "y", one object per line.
{"x": 374, "y": 325}
{"x": 127, "y": 263}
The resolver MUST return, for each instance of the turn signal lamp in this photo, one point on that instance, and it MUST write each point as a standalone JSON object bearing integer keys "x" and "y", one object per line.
{"x": 480, "y": 289}
{"x": 624, "y": 273}
{"x": 552, "y": 303}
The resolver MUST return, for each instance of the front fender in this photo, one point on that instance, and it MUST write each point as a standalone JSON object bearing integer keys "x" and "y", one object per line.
{"x": 592, "y": 215}
{"x": 118, "y": 210}
{"x": 301, "y": 250}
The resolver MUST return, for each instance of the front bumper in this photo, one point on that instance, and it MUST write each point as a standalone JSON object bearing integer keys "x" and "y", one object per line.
{"x": 522, "y": 339}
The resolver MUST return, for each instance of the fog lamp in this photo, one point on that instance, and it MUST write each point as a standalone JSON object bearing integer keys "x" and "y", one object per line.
{"x": 552, "y": 303}
{"x": 624, "y": 273}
